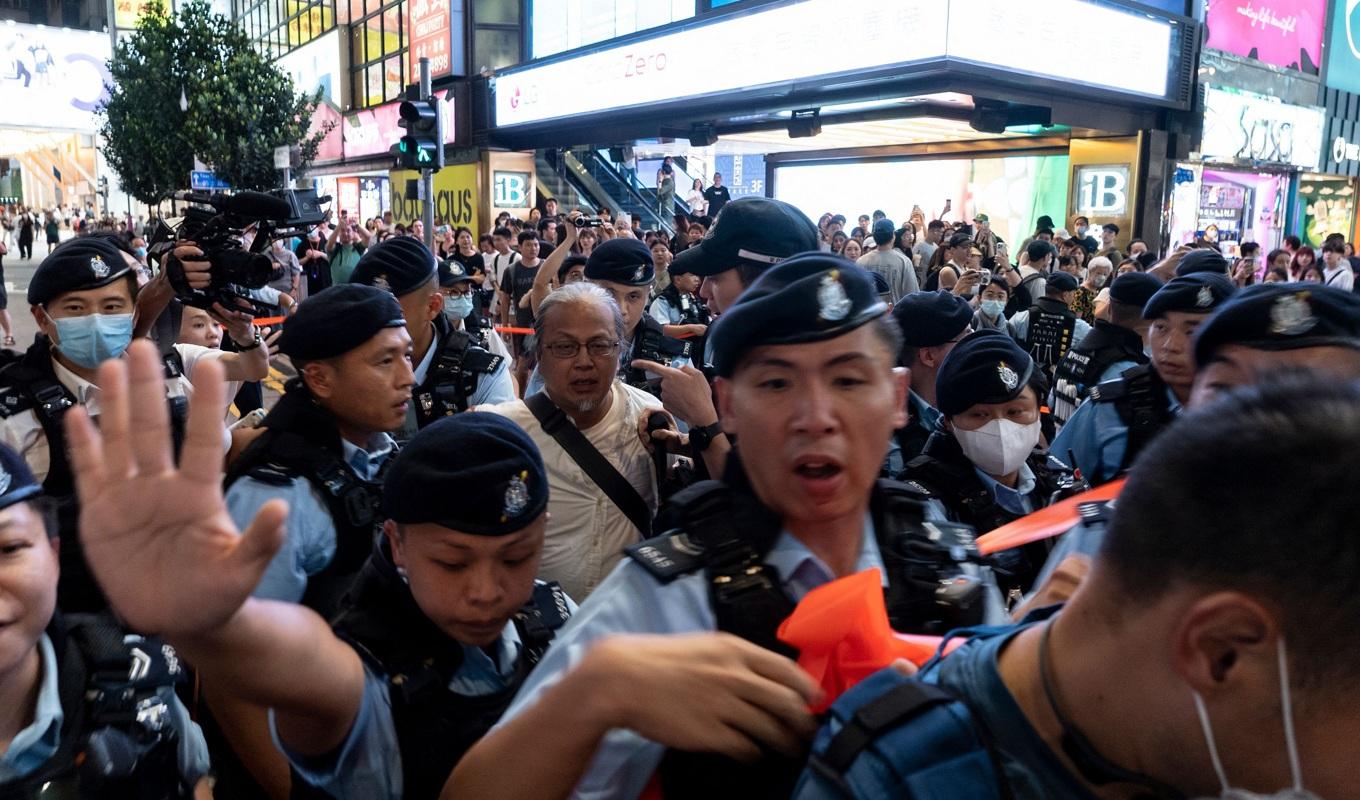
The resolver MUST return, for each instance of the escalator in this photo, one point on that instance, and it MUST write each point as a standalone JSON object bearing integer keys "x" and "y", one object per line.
{"x": 589, "y": 178}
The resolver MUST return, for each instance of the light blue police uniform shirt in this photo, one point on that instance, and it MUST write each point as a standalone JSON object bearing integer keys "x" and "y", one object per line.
{"x": 367, "y": 765}
{"x": 1098, "y": 438}
{"x": 630, "y": 600}
{"x": 38, "y": 742}
{"x": 922, "y": 414}
{"x": 309, "y": 543}
{"x": 662, "y": 311}
{"x": 1019, "y": 327}
{"x": 1016, "y": 501}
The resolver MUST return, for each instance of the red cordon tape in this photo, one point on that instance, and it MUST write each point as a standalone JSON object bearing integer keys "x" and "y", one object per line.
{"x": 268, "y": 321}
{"x": 508, "y": 329}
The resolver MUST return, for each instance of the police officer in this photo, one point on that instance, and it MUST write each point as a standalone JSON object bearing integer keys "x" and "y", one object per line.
{"x": 452, "y": 372}
{"x": 678, "y": 307}
{"x": 807, "y": 383}
{"x": 931, "y": 324}
{"x": 442, "y": 625}
{"x": 82, "y": 298}
{"x": 1050, "y": 328}
{"x": 624, "y": 268}
{"x": 459, "y": 289}
{"x": 984, "y": 466}
{"x": 1107, "y": 432}
{"x": 77, "y": 688}
{"x": 1113, "y": 345}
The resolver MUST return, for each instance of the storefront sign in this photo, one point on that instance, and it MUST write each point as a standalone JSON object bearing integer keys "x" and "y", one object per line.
{"x": 126, "y": 13}
{"x": 434, "y": 30}
{"x": 455, "y": 196}
{"x": 785, "y": 43}
{"x": 373, "y": 131}
{"x": 1241, "y": 127}
{"x": 1341, "y": 143}
{"x": 511, "y": 189}
{"x": 52, "y": 78}
{"x": 347, "y": 196}
{"x": 1284, "y": 33}
{"x": 1103, "y": 191}
{"x": 1343, "y": 49}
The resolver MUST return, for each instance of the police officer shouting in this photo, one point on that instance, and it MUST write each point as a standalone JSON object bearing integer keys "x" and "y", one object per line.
{"x": 1108, "y": 431}
{"x": 452, "y": 372}
{"x": 66, "y": 677}
{"x": 807, "y": 383}
{"x": 443, "y": 624}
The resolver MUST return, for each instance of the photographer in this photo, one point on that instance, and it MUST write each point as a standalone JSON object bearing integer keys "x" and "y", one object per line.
{"x": 344, "y": 248}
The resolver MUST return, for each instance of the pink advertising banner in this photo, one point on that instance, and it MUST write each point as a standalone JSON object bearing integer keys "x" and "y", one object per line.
{"x": 1284, "y": 33}
{"x": 373, "y": 131}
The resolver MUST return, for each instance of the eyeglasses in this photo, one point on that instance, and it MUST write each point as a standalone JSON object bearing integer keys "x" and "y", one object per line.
{"x": 597, "y": 348}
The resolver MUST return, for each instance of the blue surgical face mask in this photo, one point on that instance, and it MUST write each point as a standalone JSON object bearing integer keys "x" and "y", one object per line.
{"x": 457, "y": 306}
{"x": 94, "y": 338}
{"x": 993, "y": 308}
{"x": 140, "y": 251}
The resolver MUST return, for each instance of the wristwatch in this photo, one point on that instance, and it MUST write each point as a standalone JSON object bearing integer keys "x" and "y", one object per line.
{"x": 243, "y": 348}
{"x": 701, "y": 438}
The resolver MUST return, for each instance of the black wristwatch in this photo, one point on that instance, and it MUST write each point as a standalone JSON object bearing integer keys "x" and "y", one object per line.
{"x": 701, "y": 438}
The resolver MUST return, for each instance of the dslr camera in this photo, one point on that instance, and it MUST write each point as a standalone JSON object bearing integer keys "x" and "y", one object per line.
{"x": 216, "y": 224}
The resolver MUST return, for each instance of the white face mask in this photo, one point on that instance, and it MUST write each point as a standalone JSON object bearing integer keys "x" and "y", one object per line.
{"x": 999, "y": 447}
{"x": 1295, "y": 792}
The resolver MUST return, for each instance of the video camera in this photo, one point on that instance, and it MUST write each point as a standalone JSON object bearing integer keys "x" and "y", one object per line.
{"x": 216, "y": 224}
{"x": 653, "y": 345}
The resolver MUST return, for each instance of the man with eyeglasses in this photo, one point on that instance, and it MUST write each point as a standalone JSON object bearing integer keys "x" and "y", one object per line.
{"x": 585, "y": 424}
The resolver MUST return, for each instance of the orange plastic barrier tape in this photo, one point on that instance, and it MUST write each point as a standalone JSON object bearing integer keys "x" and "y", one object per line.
{"x": 261, "y": 321}
{"x": 842, "y": 634}
{"x": 508, "y": 329}
{"x": 1045, "y": 523}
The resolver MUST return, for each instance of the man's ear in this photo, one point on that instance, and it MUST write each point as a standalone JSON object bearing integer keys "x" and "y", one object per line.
{"x": 395, "y": 541}
{"x": 901, "y": 390}
{"x": 1223, "y": 639}
{"x": 319, "y": 377}
{"x": 435, "y": 305}
{"x": 722, "y": 389}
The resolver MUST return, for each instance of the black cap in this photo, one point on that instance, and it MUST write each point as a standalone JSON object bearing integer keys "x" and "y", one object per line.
{"x": 476, "y": 473}
{"x": 1061, "y": 281}
{"x": 400, "y": 265}
{"x": 756, "y": 231}
{"x": 1202, "y": 259}
{"x": 16, "y": 480}
{"x": 1282, "y": 316}
{"x": 85, "y": 262}
{"x": 625, "y": 261}
{"x": 929, "y": 319}
{"x": 809, "y": 298}
{"x": 1134, "y": 288}
{"x": 986, "y": 367}
{"x": 1197, "y": 293}
{"x": 1044, "y": 221}
{"x": 453, "y": 272}
{"x": 333, "y": 322}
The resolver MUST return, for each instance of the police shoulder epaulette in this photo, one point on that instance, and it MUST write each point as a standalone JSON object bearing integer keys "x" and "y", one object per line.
{"x": 550, "y": 600}
{"x": 477, "y": 359}
{"x": 272, "y": 474}
{"x": 668, "y": 556}
{"x": 904, "y": 489}
{"x": 1109, "y": 391}
{"x": 1095, "y": 512}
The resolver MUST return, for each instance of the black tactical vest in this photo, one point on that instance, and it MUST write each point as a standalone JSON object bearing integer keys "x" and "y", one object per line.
{"x": 1106, "y": 345}
{"x": 1140, "y": 397}
{"x": 434, "y": 726}
{"x": 1049, "y": 335}
{"x": 457, "y": 369}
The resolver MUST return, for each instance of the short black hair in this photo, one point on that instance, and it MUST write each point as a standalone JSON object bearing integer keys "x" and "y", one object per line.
{"x": 960, "y": 239}
{"x": 1334, "y": 246}
{"x": 1203, "y": 506}
{"x": 502, "y": 231}
{"x": 935, "y": 225}
{"x": 1111, "y": 227}
{"x": 1249, "y": 249}
{"x": 1293, "y": 241}
{"x": 545, "y": 222}
{"x": 525, "y": 236}
{"x": 1038, "y": 250}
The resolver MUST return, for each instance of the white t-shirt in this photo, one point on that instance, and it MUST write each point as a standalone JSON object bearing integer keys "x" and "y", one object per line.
{"x": 1343, "y": 277}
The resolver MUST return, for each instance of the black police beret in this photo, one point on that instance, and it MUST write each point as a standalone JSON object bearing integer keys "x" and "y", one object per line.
{"x": 986, "y": 367}
{"x": 477, "y": 473}
{"x": 452, "y": 272}
{"x": 16, "y": 480}
{"x": 808, "y": 298}
{"x": 399, "y": 265}
{"x": 625, "y": 261}
{"x": 85, "y": 262}
{"x": 1202, "y": 259}
{"x": 754, "y": 231}
{"x": 1282, "y": 316}
{"x": 1134, "y": 288}
{"x": 337, "y": 320}
{"x": 929, "y": 319}
{"x": 1196, "y": 293}
{"x": 1061, "y": 281}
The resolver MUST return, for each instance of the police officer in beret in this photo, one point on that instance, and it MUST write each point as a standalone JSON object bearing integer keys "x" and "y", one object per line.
{"x": 67, "y": 675}
{"x": 440, "y": 629}
{"x": 1120, "y": 417}
{"x": 931, "y": 324}
{"x": 1050, "y": 328}
{"x": 679, "y": 308}
{"x": 985, "y": 465}
{"x": 1117, "y": 341}
{"x": 453, "y": 373}
{"x": 459, "y": 289}
{"x": 82, "y": 297}
{"x": 807, "y": 382}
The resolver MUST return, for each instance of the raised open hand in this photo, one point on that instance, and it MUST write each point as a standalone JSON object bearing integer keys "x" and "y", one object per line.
{"x": 158, "y": 538}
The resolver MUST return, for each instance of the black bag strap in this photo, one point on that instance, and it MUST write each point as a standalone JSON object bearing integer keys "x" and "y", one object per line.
{"x": 614, "y": 485}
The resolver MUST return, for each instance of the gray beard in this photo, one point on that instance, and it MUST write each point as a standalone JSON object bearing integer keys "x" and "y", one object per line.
{"x": 586, "y": 406}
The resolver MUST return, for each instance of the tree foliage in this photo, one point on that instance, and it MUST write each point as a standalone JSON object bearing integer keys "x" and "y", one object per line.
{"x": 239, "y": 105}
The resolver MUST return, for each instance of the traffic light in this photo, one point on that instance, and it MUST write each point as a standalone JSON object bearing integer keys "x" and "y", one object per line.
{"x": 423, "y": 145}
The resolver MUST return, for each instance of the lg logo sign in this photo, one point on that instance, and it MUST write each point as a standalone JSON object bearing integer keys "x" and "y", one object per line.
{"x": 1103, "y": 191}
{"x": 511, "y": 189}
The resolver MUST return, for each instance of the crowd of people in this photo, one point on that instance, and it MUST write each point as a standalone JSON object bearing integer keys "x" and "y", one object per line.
{"x": 537, "y": 512}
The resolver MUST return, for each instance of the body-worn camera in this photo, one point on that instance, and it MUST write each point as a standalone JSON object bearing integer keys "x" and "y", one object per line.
{"x": 937, "y": 584}
{"x": 216, "y": 225}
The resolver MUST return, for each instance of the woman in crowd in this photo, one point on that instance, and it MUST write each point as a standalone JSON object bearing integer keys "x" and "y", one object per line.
{"x": 838, "y": 240}
{"x": 852, "y": 250}
{"x": 1302, "y": 260}
{"x": 698, "y": 206}
{"x": 665, "y": 188}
